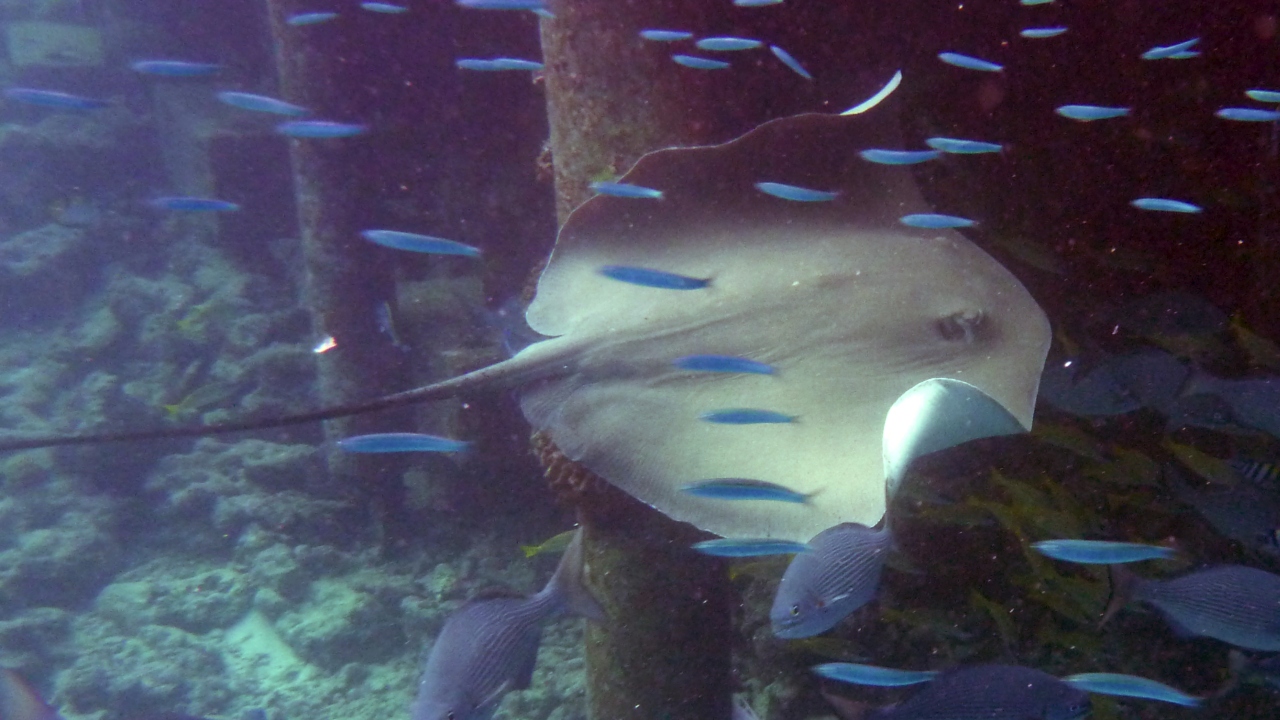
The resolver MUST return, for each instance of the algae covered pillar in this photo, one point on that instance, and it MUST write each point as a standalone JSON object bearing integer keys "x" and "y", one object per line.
{"x": 343, "y": 280}
{"x": 665, "y": 655}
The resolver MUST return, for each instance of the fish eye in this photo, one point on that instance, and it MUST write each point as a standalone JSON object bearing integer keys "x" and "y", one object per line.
{"x": 962, "y": 326}
{"x": 795, "y": 610}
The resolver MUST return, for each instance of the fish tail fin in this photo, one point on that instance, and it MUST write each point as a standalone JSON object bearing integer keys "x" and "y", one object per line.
{"x": 1123, "y": 584}
{"x": 568, "y": 583}
{"x": 847, "y": 709}
{"x": 530, "y": 550}
{"x": 19, "y": 701}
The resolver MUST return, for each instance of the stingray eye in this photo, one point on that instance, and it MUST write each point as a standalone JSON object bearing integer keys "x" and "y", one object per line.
{"x": 795, "y": 611}
{"x": 963, "y": 326}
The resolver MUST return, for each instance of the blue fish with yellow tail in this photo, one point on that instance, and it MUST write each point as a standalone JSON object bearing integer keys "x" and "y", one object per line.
{"x": 840, "y": 574}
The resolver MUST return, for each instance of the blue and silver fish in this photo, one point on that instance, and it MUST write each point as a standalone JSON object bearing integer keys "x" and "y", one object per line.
{"x": 310, "y": 18}
{"x": 981, "y": 692}
{"x": 1232, "y": 603}
{"x": 626, "y": 190}
{"x": 413, "y": 242}
{"x": 935, "y": 221}
{"x": 488, "y": 647}
{"x": 859, "y": 674}
{"x": 749, "y": 547}
{"x": 1165, "y": 205}
{"x": 1089, "y": 113}
{"x": 1266, "y": 96}
{"x": 175, "y": 68}
{"x": 745, "y": 489}
{"x": 723, "y": 364}
{"x": 1163, "y": 52}
{"x": 401, "y": 442}
{"x": 786, "y": 59}
{"x": 53, "y": 99}
{"x": 962, "y": 147}
{"x": 795, "y": 193}
{"x": 665, "y": 35}
{"x": 320, "y": 129}
{"x": 727, "y": 44}
{"x": 648, "y": 277}
{"x": 1042, "y": 32}
{"x": 969, "y": 62}
{"x": 260, "y": 103}
{"x": 1121, "y": 685}
{"x": 193, "y": 204}
{"x": 1240, "y": 114}
{"x": 899, "y": 157}
{"x": 747, "y": 416}
{"x": 700, "y": 63}
{"x": 1102, "y": 552}
{"x": 840, "y": 574}
{"x": 384, "y": 8}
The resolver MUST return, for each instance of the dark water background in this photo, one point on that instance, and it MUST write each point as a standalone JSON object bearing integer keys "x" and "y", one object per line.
{"x": 126, "y": 572}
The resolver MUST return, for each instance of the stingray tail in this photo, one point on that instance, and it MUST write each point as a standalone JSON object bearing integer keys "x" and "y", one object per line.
{"x": 568, "y": 585}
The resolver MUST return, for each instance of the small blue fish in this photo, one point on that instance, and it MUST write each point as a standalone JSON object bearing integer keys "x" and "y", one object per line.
{"x": 1042, "y": 32}
{"x": 899, "y": 157}
{"x": 488, "y": 647}
{"x": 175, "y": 68}
{"x": 193, "y": 204}
{"x": 1165, "y": 205}
{"x": 969, "y": 63}
{"x": 506, "y": 63}
{"x": 665, "y": 35}
{"x": 756, "y": 3}
{"x": 413, "y": 242}
{"x": 795, "y": 193}
{"x": 962, "y": 147}
{"x": 935, "y": 221}
{"x": 727, "y": 44}
{"x": 1131, "y": 686}
{"x": 822, "y": 587}
{"x": 876, "y": 99}
{"x": 401, "y": 442}
{"x": 1184, "y": 55}
{"x": 1089, "y": 113}
{"x": 983, "y": 692}
{"x": 385, "y": 8}
{"x": 722, "y": 364}
{"x": 745, "y": 489}
{"x": 790, "y": 62}
{"x": 475, "y": 64}
{"x": 1248, "y": 114}
{"x": 53, "y": 99}
{"x": 747, "y": 416}
{"x": 1161, "y": 52}
{"x": 1266, "y": 96}
{"x": 1101, "y": 552}
{"x": 625, "y": 190}
{"x": 260, "y": 103}
{"x": 320, "y": 129}
{"x": 1029, "y": 3}
{"x": 1232, "y": 603}
{"x": 310, "y": 18}
{"x": 858, "y": 674}
{"x": 749, "y": 547}
{"x": 699, "y": 63}
{"x": 653, "y": 278}
{"x": 534, "y": 5}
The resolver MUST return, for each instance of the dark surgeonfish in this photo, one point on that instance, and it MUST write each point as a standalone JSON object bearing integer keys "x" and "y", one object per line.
{"x": 488, "y": 647}
{"x": 19, "y": 701}
{"x": 839, "y": 574}
{"x": 980, "y": 692}
{"x": 1232, "y": 603}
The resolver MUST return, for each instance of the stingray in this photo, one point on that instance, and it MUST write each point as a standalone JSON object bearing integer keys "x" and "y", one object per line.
{"x": 848, "y": 306}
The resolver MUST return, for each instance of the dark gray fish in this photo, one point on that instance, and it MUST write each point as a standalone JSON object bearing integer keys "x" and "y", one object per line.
{"x": 839, "y": 574}
{"x": 981, "y": 692}
{"x": 1232, "y": 603}
{"x": 1246, "y": 513}
{"x": 488, "y": 647}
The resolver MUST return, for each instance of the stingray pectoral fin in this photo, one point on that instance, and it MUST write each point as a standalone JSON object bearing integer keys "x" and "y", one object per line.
{"x": 937, "y": 414}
